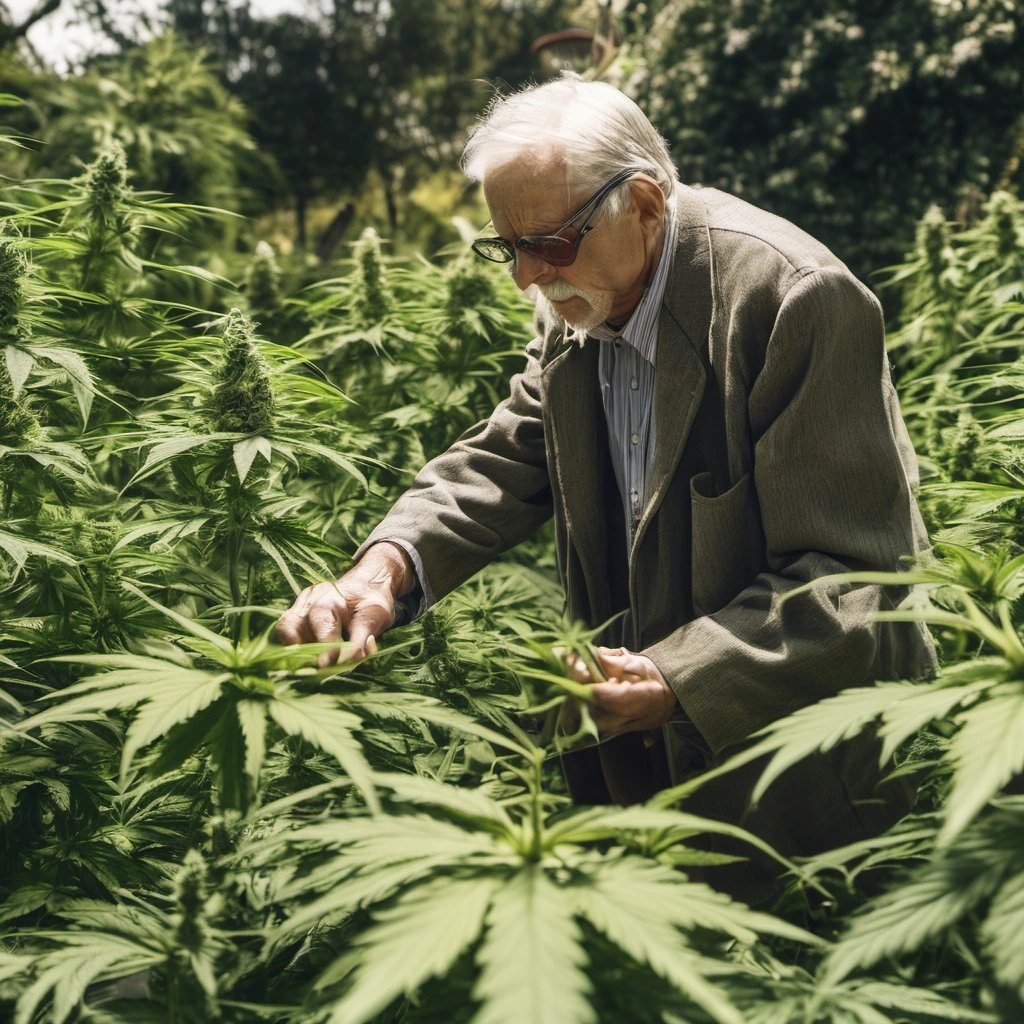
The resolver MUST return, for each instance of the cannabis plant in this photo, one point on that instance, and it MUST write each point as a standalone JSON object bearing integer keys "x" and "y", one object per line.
{"x": 515, "y": 889}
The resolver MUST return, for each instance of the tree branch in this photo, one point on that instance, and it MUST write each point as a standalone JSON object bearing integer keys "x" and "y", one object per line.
{"x": 9, "y": 33}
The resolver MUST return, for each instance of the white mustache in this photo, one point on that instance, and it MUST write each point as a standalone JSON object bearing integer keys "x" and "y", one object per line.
{"x": 560, "y": 291}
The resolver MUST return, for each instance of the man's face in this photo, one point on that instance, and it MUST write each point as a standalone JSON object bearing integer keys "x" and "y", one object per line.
{"x": 608, "y": 277}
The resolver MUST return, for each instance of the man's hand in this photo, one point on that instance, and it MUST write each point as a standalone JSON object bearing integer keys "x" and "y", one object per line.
{"x": 634, "y": 695}
{"x": 358, "y": 608}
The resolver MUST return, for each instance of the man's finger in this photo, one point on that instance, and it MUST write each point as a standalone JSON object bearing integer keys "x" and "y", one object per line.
{"x": 292, "y": 628}
{"x": 324, "y": 623}
{"x": 576, "y": 669}
{"x": 368, "y": 621}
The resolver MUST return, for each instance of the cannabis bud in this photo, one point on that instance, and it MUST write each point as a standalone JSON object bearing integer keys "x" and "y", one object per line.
{"x": 373, "y": 301}
{"x": 242, "y": 400}
{"x": 961, "y": 450}
{"x": 105, "y": 184}
{"x": 190, "y": 896}
{"x": 13, "y": 267}
{"x": 1002, "y": 219}
{"x": 467, "y": 288}
{"x": 17, "y": 424}
{"x": 263, "y": 278}
{"x": 933, "y": 241}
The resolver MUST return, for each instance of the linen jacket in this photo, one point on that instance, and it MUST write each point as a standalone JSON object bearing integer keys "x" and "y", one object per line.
{"x": 779, "y": 456}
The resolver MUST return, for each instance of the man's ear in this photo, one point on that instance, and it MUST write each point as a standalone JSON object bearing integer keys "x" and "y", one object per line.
{"x": 649, "y": 199}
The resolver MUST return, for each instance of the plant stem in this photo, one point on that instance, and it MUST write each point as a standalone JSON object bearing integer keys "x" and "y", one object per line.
{"x": 234, "y": 556}
{"x": 536, "y": 811}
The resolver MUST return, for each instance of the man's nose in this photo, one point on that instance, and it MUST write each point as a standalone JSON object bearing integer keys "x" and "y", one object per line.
{"x": 531, "y": 270}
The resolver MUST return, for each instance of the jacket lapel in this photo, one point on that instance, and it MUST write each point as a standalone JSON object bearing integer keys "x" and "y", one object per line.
{"x": 575, "y": 420}
{"x": 683, "y": 329}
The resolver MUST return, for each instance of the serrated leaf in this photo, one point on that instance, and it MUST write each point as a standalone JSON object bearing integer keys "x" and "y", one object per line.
{"x": 334, "y": 457}
{"x": 418, "y": 938}
{"x": 919, "y": 1001}
{"x": 635, "y": 906}
{"x": 820, "y": 727}
{"x": 227, "y": 749}
{"x": 89, "y": 699}
{"x": 930, "y": 902}
{"x": 68, "y": 971}
{"x": 987, "y": 752}
{"x": 532, "y": 957}
{"x": 318, "y": 719}
{"x": 245, "y": 452}
{"x": 166, "y": 708}
{"x": 468, "y": 804}
{"x": 20, "y": 549}
{"x": 913, "y": 712}
{"x": 196, "y": 629}
{"x": 1002, "y": 931}
{"x": 19, "y": 366}
{"x": 252, "y": 719}
{"x": 164, "y": 451}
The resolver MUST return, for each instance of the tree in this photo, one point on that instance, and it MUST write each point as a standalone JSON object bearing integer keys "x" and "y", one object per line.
{"x": 183, "y": 133}
{"x": 850, "y": 118}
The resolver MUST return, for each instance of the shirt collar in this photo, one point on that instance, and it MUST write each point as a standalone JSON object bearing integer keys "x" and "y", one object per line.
{"x": 640, "y": 330}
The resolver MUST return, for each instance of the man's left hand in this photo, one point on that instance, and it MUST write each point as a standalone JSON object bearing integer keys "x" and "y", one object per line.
{"x": 634, "y": 695}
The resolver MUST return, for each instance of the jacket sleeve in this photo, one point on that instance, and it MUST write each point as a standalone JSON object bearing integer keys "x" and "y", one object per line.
{"x": 487, "y": 492}
{"x": 833, "y": 472}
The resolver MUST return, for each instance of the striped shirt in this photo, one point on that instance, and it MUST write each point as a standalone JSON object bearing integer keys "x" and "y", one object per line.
{"x": 626, "y": 377}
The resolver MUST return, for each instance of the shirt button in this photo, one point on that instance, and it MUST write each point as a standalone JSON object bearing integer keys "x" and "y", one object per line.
{"x": 634, "y": 438}
{"x": 634, "y": 383}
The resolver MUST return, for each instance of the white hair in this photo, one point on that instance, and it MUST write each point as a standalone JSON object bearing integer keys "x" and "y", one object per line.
{"x": 598, "y": 129}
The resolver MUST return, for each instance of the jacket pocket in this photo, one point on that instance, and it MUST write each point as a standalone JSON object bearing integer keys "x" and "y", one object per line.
{"x": 727, "y": 541}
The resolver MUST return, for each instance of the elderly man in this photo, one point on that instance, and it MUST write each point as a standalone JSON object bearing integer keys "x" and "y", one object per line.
{"x": 707, "y": 413}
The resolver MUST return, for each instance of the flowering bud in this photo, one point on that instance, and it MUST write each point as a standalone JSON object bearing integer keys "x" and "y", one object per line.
{"x": 104, "y": 185}
{"x": 1001, "y": 218}
{"x": 242, "y": 400}
{"x": 263, "y": 278}
{"x": 17, "y": 424}
{"x": 13, "y": 267}
{"x": 373, "y": 301}
{"x": 933, "y": 240}
{"x": 468, "y": 288}
{"x": 960, "y": 454}
{"x": 190, "y": 896}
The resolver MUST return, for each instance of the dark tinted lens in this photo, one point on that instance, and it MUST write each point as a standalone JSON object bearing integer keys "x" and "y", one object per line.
{"x": 495, "y": 249}
{"x": 557, "y": 250}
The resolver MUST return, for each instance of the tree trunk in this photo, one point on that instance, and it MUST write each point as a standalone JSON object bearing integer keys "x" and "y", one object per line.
{"x": 335, "y": 232}
{"x": 392, "y": 203}
{"x": 300, "y": 222}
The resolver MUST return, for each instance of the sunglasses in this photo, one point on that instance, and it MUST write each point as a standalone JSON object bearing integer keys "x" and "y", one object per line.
{"x": 560, "y": 248}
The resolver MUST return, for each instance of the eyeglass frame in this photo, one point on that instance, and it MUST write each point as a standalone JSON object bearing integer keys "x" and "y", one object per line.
{"x": 593, "y": 203}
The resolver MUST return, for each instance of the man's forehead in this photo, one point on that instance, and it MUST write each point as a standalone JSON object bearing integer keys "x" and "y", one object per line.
{"x": 535, "y": 189}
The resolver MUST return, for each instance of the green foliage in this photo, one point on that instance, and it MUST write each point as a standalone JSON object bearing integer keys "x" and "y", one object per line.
{"x": 517, "y": 886}
{"x": 195, "y": 824}
{"x": 807, "y": 109}
{"x": 12, "y": 270}
{"x": 184, "y": 134}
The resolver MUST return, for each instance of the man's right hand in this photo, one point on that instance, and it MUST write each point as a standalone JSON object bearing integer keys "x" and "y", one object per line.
{"x": 357, "y": 608}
